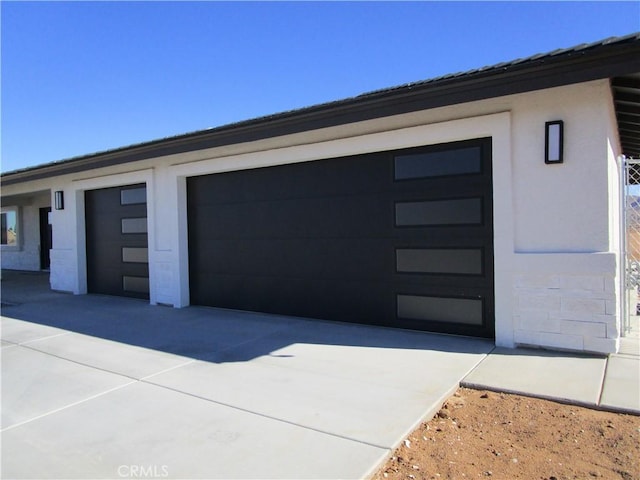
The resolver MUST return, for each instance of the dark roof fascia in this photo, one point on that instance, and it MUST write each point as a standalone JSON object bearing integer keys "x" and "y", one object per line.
{"x": 568, "y": 67}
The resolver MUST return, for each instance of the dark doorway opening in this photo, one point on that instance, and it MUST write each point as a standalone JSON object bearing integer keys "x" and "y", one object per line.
{"x": 46, "y": 239}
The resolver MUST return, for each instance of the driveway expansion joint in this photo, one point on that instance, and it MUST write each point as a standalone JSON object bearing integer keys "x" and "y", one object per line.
{"x": 269, "y": 417}
{"x": 35, "y": 340}
{"x": 70, "y": 405}
{"x": 29, "y": 347}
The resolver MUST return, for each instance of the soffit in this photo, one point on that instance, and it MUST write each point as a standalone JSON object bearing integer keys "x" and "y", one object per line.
{"x": 626, "y": 94}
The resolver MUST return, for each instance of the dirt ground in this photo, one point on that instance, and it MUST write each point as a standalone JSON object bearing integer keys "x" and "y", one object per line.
{"x": 479, "y": 434}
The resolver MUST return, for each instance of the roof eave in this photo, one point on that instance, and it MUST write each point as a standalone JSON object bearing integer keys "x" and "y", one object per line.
{"x": 605, "y": 61}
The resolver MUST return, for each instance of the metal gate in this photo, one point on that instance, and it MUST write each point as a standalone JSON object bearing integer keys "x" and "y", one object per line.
{"x": 631, "y": 244}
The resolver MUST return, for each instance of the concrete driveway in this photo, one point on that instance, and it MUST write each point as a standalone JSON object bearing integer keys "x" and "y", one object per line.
{"x": 105, "y": 387}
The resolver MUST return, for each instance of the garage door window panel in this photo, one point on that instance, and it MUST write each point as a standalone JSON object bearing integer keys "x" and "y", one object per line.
{"x": 135, "y": 255}
{"x": 456, "y": 261}
{"x": 462, "y": 211}
{"x": 464, "y": 161}
{"x": 134, "y": 225}
{"x": 133, "y": 196}
{"x": 441, "y": 309}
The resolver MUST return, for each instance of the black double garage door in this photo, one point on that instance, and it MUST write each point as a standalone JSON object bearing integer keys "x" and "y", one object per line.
{"x": 399, "y": 238}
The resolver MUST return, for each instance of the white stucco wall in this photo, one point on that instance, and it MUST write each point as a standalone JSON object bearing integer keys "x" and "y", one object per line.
{"x": 556, "y": 251}
{"x": 566, "y": 269}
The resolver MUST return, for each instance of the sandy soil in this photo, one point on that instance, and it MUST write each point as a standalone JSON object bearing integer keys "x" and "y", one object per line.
{"x": 479, "y": 434}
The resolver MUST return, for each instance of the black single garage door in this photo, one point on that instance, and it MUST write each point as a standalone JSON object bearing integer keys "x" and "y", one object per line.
{"x": 117, "y": 251}
{"x": 399, "y": 238}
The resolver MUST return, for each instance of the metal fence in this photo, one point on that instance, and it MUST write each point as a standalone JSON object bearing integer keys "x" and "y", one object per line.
{"x": 631, "y": 241}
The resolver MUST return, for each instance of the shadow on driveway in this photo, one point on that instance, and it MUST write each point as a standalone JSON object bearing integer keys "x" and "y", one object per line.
{"x": 202, "y": 333}
{"x": 213, "y": 394}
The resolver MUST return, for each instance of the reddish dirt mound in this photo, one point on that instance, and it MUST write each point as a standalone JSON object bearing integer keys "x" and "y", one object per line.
{"x": 479, "y": 434}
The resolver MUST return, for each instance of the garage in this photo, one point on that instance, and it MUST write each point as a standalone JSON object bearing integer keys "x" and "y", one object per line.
{"x": 399, "y": 238}
{"x": 117, "y": 244}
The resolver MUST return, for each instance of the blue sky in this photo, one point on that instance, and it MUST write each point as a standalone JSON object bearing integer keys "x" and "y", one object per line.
{"x": 83, "y": 77}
